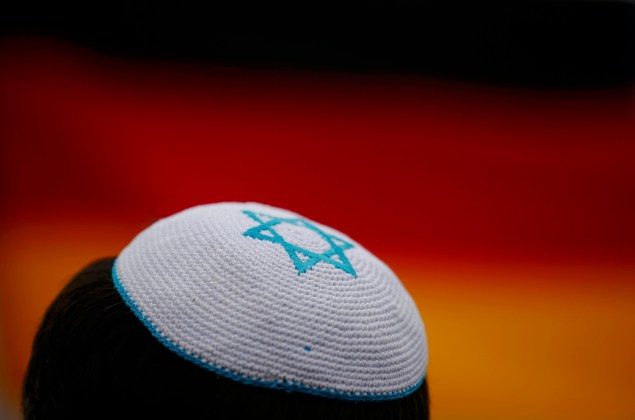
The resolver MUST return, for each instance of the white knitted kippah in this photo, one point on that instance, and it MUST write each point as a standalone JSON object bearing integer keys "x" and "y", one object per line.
{"x": 266, "y": 297}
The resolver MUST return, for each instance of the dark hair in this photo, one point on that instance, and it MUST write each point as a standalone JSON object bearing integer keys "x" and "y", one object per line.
{"x": 93, "y": 358}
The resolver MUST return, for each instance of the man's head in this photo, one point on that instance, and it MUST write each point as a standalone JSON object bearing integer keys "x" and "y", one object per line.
{"x": 140, "y": 336}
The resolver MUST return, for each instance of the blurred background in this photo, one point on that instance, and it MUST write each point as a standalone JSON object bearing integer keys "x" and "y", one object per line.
{"x": 486, "y": 152}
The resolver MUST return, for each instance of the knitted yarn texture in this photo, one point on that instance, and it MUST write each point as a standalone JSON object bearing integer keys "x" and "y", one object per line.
{"x": 267, "y": 297}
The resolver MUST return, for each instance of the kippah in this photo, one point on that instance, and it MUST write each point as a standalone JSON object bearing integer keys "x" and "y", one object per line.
{"x": 267, "y": 297}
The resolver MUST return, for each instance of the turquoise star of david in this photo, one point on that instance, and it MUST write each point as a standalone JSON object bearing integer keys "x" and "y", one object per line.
{"x": 303, "y": 259}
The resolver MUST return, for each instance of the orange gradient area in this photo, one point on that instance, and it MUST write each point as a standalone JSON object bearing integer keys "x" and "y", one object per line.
{"x": 516, "y": 342}
{"x": 527, "y": 342}
{"x": 508, "y": 214}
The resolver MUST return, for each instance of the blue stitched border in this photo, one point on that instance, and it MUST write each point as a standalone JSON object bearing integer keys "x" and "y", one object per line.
{"x": 283, "y": 385}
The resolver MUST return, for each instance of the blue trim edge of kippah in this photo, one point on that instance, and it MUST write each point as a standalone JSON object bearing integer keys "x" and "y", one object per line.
{"x": 282, "y": 385}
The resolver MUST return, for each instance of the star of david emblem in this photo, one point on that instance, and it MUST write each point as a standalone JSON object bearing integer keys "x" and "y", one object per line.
{"x": 303, "y": 259}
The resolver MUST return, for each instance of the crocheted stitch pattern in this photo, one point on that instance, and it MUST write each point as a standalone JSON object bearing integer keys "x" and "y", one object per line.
{"x": 212, "y": 290}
